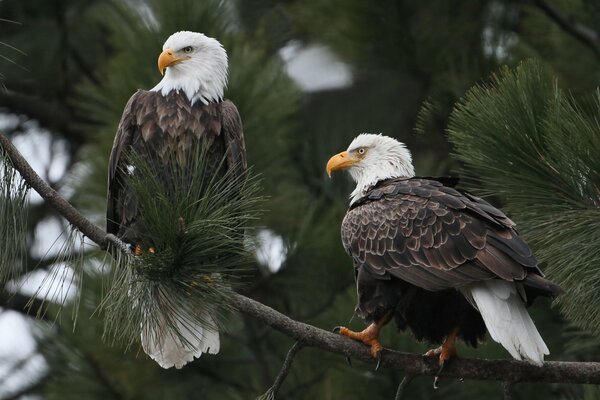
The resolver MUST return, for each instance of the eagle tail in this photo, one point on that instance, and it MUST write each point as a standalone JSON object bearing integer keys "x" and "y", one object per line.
{"x": 169, "y": 348}
{"x": 507, "y": 320}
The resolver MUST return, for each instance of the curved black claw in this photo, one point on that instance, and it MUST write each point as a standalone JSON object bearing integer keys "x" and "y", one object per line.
{"x": 437, "y": 378}
{"x": 379, "y": 357}
{"x": 336, "y": 329}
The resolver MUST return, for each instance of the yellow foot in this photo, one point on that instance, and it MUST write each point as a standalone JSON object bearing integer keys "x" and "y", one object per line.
{"x": 445, "y": 353}
{"x": 137, "y": 250}
{"x": 368, "y": 336}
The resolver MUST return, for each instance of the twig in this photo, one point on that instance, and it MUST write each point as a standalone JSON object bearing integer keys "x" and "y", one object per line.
{"x": 579, "y": 31}
{"x": 285, "y": 369}
{"x": 403, "y": 385}
{"x": 411, "y": 364}
{"x": 508, "y": 390}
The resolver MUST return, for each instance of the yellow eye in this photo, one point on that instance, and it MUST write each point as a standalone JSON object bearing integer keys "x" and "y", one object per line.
{"x": 361, "y": 151}
{"x": 188, "y": 49}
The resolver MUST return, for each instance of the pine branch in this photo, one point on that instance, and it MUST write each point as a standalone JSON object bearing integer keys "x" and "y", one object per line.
{"x": 413, "y": 364}
{"x": 579, "y": 31}
{"x": 58, "y": 202}
{"x": 311, "y": 336}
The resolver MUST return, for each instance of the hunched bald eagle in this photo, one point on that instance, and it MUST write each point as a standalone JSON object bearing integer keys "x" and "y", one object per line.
{"x": 168, "y": 125}
{"x": 442, "y": 263}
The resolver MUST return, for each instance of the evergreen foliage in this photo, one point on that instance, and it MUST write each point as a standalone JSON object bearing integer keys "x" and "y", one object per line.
{"x": 193, "y": 248}
{"x": 83, "y": 60}
{"x": 13, "y": 221}
{"x": 525, "y": 139}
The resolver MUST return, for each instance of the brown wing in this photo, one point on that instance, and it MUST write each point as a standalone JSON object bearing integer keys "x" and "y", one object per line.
{"x": 434, "y": 237}
{"x": 234, "y": 137}
{"x": 123, "y": 139}
{"x": 168, "y": 129}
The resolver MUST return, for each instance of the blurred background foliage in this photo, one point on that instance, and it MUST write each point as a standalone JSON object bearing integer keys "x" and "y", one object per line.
{"x": 68, "y": 67}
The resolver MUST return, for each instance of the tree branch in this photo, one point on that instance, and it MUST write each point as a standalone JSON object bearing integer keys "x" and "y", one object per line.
{"x": 310, "y": 336}
{"x": 61, "y": 205}
{"x": 402, "y": 386}
{"x": 285, "y": 370}
{"x": 579, "y": 31}
{"x": 413, "y": 364}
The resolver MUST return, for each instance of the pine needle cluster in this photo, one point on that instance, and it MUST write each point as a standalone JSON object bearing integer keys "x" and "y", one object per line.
{"x": 193, "y": 247}
{"x": 523, "y": 138}
{"x": 13, "y": 221}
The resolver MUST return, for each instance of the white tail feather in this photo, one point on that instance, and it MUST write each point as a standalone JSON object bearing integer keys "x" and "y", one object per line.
{"x": 170, "y": 349}
{"x": 507, "y": 319}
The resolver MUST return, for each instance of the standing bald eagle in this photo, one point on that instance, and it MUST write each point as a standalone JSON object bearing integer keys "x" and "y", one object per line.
{"x": 442, "y": 263}
{"x": 167, "y": 126}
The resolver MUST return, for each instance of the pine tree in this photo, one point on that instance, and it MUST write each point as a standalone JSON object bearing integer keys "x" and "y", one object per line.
{"x": 400, "y": 57}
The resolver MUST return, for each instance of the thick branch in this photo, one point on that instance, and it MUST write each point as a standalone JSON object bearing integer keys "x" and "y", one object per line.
{"x": 308, "y": 335}
{"x": 579, "y": 31}
{"x": 412, "y": 364}
{"x": 61, "y": 205}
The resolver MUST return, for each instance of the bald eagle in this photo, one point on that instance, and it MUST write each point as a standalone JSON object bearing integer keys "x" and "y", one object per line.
{"x": 443, "y": 263}
{"x": 167, "y": 125}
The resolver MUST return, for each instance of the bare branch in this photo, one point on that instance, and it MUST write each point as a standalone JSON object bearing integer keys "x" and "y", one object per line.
{"x": 479, "y": 369}
{"x": 508, "y": 390}
{"x": 285, "y": 370}
{"x": 579, "y": 31}
{"x": 411, "y": 364}
{"x": 402, "y": 386}
{"x": 61, "y": 205}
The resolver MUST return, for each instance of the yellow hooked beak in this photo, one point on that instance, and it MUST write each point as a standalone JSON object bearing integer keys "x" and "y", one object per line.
{"x": 167, "y": 58}
{"x": 340, "y": 162}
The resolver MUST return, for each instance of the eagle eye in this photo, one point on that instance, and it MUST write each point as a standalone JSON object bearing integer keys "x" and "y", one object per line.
{"x": 361, "y": 151}
{"x": 188, "y": 49}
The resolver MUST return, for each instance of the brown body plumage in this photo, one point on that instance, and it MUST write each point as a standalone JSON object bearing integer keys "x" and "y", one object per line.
{"x": 168, "y": 130}
{"x": 414, "y": 242}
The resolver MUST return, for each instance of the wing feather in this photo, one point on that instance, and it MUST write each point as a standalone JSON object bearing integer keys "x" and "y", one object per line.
{"x": 234, "y": 137}
{"x": 433, "y": 236}
{"x": 123, "y": 139}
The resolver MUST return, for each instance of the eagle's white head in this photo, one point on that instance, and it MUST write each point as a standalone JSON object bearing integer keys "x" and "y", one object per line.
{"x": 195, "y": 64}
{"x": 371, "y": 158}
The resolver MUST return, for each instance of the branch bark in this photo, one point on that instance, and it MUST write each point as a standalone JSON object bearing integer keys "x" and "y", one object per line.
{"x": 310, "y": 336}
{"x": 586, "y": 35}
{"x": 59, "y": 203}
{"x": 416, "y": 365}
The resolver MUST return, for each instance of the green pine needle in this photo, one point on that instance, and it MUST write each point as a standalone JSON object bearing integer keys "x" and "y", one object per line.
{"x": 523, "y": 138}
{"x": 196, "y": 226}
{"x": 13, "y": 221}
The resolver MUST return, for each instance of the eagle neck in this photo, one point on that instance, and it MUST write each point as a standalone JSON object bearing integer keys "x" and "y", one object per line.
{"x": 205, "y": 91}
{"x": 366, "y": 182}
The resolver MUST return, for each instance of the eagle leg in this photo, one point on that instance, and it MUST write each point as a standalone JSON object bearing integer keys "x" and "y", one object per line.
{"x": 445, "y": 353}
{"x": 368, "y": 336}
